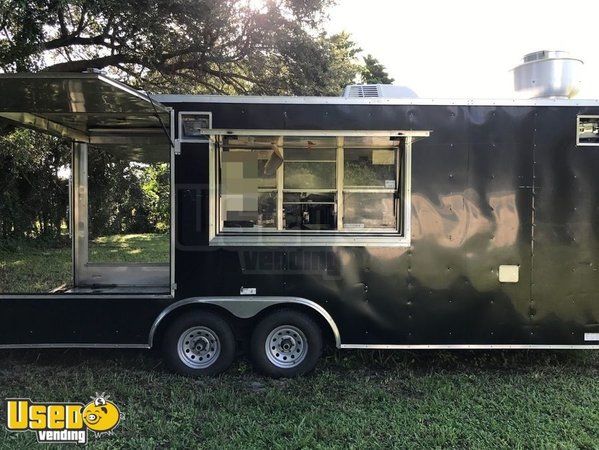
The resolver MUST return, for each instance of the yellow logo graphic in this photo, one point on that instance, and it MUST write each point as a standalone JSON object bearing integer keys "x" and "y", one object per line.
{"x": 101, "y": 415}
{"x": 63, "y": 422}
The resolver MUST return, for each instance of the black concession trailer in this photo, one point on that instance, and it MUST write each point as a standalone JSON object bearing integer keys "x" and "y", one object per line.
{"x": 382, "y": 223}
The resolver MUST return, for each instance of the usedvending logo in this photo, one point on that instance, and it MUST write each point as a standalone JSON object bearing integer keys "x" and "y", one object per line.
{"x": 64, "y": 423}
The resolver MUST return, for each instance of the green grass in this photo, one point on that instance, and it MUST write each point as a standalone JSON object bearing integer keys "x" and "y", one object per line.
{"x": 31, "y": 268}
{"x": 130, "y": 248}
{"x": 425, "y": 399}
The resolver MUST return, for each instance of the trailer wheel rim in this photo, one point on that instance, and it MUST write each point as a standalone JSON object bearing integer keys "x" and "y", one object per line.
{"x": 199, "y": 347}
{"x": 286, "y": 346}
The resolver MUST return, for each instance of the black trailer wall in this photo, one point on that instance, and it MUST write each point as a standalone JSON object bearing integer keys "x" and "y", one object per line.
{"x": 565, "y": 289}
{"x": 492, "y": 185}
{"x": 474, "y": 199}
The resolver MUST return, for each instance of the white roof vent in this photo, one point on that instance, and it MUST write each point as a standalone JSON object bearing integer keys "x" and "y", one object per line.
{"x": 361, "y": 91}
{"x": 378, "y": 90}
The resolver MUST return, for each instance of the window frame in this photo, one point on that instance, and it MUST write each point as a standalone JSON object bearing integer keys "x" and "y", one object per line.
{"x": 181, "y": 135}
{"x": 579, "y": 133}
{"x": 400, "y": 236}
{"x": 400, "y": 149}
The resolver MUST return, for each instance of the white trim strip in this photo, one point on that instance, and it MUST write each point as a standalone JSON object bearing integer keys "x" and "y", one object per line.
{"x": 342, "y": 346}
{"x": 173, "y": 200}
{"x": 47, "y": 296}
{"x": 341, "y": 239}
{"x": 465, "y": 346}
{"x": 62, "y": 345}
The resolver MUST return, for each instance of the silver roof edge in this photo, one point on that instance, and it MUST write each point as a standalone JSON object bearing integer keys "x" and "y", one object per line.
{"x": 251, "y": 99}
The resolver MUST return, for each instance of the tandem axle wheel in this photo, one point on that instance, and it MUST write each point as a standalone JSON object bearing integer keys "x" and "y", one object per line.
{"x": 285, "y": 343}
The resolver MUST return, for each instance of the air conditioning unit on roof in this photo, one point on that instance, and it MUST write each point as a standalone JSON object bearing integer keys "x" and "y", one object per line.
{"x": 378, "y": 91}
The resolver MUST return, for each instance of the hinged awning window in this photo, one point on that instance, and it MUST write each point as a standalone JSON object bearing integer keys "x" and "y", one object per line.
{"x": 310, "y": 187}
{"x": 80, "y": 106}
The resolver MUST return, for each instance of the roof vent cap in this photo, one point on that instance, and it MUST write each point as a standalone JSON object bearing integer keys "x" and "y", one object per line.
{"x": 548, "y": 74}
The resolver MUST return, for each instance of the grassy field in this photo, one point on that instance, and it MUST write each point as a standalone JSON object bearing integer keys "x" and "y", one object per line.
{"x": 427, "y": 399}
{"x": 33, "y": 268}
{"x": 130, "y": 248}
{"x": 525, "y": 399}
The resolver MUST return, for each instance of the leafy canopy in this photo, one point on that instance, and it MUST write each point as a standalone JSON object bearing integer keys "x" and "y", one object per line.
{"x": 263, "y": 47}
{"x": 219, "y": 46}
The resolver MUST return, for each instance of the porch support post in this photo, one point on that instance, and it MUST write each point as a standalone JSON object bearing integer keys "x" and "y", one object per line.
{"x": 80, "y": 211}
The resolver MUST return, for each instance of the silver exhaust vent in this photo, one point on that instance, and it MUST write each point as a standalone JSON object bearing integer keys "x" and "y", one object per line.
{"x": 548, "y": 74}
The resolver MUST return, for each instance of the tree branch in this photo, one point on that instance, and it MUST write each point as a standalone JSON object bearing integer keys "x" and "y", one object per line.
{"x": 97, "y": 63}
{"x": 63, "y": 26}
{"x": 76, "y": 40}
{"x": 81, "y": 21}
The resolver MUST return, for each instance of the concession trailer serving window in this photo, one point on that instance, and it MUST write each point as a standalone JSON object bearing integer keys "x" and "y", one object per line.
{"x": 307, "y": 187}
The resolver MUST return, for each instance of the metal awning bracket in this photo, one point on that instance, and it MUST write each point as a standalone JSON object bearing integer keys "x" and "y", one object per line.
{"x": 283, "y": 132}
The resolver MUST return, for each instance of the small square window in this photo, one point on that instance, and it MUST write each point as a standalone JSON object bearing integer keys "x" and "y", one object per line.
{"x": 587, "y": 131}
{"x": 191, "y": 124}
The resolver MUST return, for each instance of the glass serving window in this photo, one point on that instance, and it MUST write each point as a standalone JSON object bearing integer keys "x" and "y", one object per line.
{"x": 309, "y": 211}
{"x": 309, "y": 168}
{"x": 369, "y": 168}
{"x": 248, "y": 192}
{"x": 308, "y": 184}
{"x": 369, "y": 210}
{"x": 369, "y": 188}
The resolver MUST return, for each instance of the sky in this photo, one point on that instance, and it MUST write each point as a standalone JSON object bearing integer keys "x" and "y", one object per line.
{"x": 465, "y": 49}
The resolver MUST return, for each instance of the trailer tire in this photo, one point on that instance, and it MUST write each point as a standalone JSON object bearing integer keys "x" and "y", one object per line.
{"x": 286, "y": 343}
{"x": 199, "y": 343}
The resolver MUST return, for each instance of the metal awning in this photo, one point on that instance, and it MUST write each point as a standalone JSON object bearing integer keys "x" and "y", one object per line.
{"x": 280, "y": 132}
{"x": 86, "y": 107}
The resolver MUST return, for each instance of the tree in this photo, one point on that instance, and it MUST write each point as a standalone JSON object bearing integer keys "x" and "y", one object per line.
{"x": 277, "y": 47}
{"x": 218, "y": 46}
{"x": 33, "y": 194}
{"x": 373, "y": 72}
